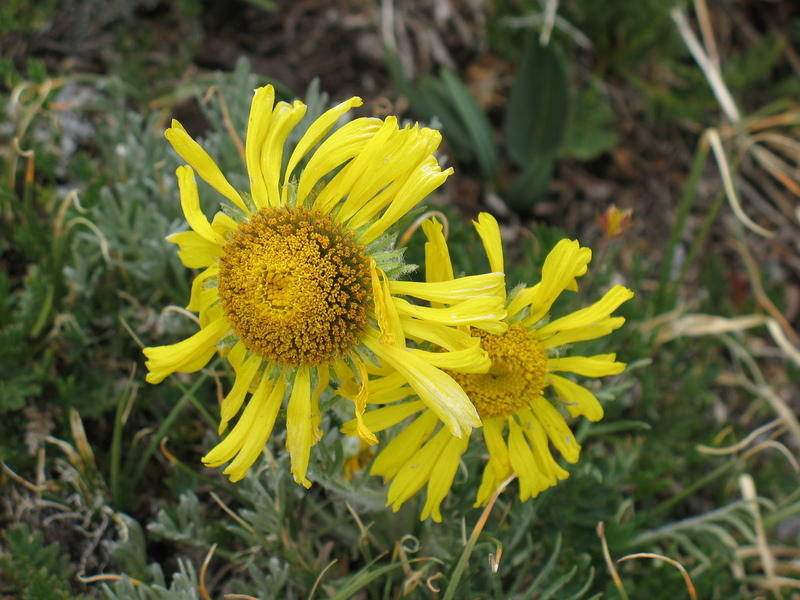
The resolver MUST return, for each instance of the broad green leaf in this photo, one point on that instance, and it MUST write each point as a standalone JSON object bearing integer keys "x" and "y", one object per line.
{"x": 531, "y": 184}
{"x": 473, "y": 120}
{"x": 589, "y": 131}
{"x": 538, "y": 106}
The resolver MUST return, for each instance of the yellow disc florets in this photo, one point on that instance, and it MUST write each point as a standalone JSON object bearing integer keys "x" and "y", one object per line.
{"x": 516, "y": 377}
{"x": 295, "y": 286}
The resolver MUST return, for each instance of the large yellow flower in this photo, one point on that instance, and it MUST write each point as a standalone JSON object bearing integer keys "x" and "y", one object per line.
{"x": 297, "y": 286}
{"x": 520, "y": 424}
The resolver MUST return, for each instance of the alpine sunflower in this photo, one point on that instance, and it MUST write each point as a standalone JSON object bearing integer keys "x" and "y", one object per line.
{"x": 521, "y": 424}
{"x": 298, "y": 285}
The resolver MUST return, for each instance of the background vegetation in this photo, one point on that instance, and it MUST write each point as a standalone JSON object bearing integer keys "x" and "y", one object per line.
{"x": 684, "y": 112}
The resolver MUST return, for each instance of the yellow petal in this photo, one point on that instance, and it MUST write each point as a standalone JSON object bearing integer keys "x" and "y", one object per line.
{"x": 485, "y": 312}
{"x": 241, "y": 385}
{"x": 438, "y": 266}
{"x": 454, "y": 290}
{"x": 386, "y": 313}
{"x": 438, "y": 335}
{"x": 416, "y": 188}
{"x": 467, "y": 360}
{"x": 588, "y": 366}
{"x": 190, "y": 355}
{"x": 407, "y": 151}
{"x": 493, "y": 475}
{"x": 403, "y": 446}
{"x": 557, "y": 429}
{"x": 190, "y": 203}
{"x": 340, "y": 147}
{"x": 417, "y": 471}
{"x": 318, "y": 129}
{"x": 222, "y": 224}
{"x": 200, "y": 161}
{"x": 489, "y": 231}
{"x": 203, "y": 294}
{"x": 236, "y": 356}
{"x": 495, "y": 444}
{"x": 591, "y": 314}
{"x": 438, "y": 390}
{"x": 578, "y": 399}
{"x": 299, "y": 428}
{"x": 498, "y": 467}
{"x": 531, "y": 480}
{"x": 361, "y": 165}
{"x": 547, "y": 466}
{"x": 383, "y": 418}
{"x": 360, "y": 404}
{"x": 442, "y": 476}
{"x": 580, "y": 334}
{"x": 565, "y": 262}
{"x": 264, "y": 420}
{"x": 284, "y": 118}
{"x": 323, "y": 379}
{"x": 234, "y": 441}
{"x": 257, "y": 128}
{"x": 195, "y": 251}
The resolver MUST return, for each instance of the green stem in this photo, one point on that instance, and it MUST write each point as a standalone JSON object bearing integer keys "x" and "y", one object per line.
{"x": 700, "y": 238}
{"x": 687, "y": 200}
{"x": 116, "y": 450}
{"x": 688, "y": 491}
{"x": 165, "y": 426}
{"x": 450, "y": 592}
{"x": 196, "y": 403}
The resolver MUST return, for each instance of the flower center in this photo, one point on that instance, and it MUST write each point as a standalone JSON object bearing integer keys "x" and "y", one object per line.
{"x": 295, "y": 286}
{"x": 516, "y": 377}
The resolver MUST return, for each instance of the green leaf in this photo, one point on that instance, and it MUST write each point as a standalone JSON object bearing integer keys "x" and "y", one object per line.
{"x": 464, "y": 125}
{"x": 474, "y": 121}
{"x": 363, "y": 578}
{"x": 531, "y": 184}
{"x": 34, "y": 570}
{"x": 589, "y": 131}
{"x": 538, "y": 106}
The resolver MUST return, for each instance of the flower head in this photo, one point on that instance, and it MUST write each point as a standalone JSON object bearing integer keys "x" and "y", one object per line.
{"x": 298, "y": 288}
{"x": 615, "y": 222}
{"x": 522, "y": 423}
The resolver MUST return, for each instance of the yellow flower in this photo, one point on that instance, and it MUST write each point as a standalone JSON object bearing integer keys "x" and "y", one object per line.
{"x": 296, "y": 287}
{"x": 520, "y": 425}
{"x": 615, "y": 222}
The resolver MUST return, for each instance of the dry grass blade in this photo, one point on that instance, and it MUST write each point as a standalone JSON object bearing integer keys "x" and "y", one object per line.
{"x": 710, "y": 70}
{"x": 695, "y": 325}
{"x": 403, "y": 240}
{"x": 550, "y": 10}
{"x": 201, "y": 587}
{"x": 106, "y": 577}
{"x": 686, "y": 578}
{"x": 318, "y": 580}
{"x": 712, "y": 135}
{"x": 748, "y": 488}
{"x": 232, "y": 514}
{"x": 779, "y": 447}
{"x": 759, "y": 431}
{"x": 754, "y": 274}
{"x": 226, "y": 118}
{"x": 612, "y": 568}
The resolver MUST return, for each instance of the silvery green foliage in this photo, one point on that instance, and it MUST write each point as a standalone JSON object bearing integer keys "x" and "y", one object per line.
{"x": 182, "y": 523}
{"x": 132, "y": 206}
{"x": 183, "y": 585}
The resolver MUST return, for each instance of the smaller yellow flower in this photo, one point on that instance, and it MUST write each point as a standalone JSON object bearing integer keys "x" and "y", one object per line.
{"x": 615, "y": 222}
{"x": 520, "y": 425}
